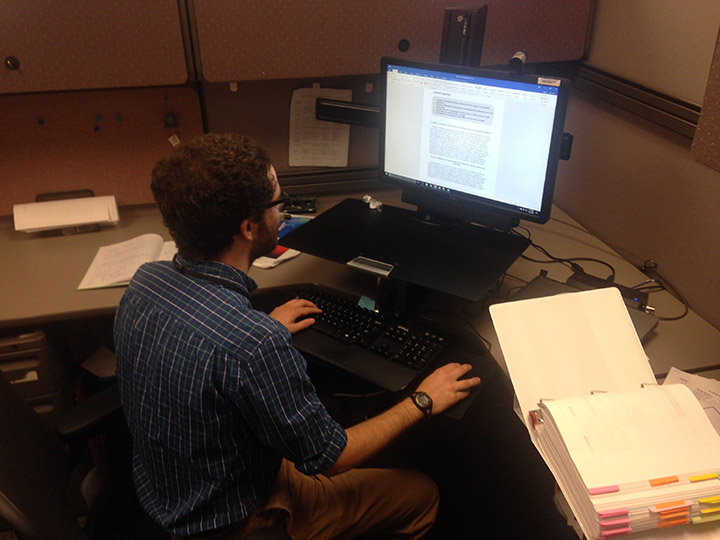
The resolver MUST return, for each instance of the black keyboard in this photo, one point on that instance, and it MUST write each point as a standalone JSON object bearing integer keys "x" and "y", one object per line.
{"x": 383, "y": 349}
{"x": 380, "y": 334}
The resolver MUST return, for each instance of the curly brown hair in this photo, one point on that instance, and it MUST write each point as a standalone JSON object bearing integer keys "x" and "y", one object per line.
{"x": 207, "y": 186}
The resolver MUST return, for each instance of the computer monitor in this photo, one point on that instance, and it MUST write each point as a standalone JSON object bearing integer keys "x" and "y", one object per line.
{"x": 469, "y": 144}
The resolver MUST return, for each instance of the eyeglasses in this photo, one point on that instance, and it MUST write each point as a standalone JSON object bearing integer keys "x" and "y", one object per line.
{"x": 279, "y": 202}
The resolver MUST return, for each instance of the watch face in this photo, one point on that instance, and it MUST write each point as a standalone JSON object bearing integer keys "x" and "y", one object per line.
{"x": 423, "y": 400}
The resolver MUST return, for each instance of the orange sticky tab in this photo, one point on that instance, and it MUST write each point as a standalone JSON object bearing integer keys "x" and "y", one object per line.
{"x": 663, "y": 481}
{"x": 670, "y": 514}
{"x": 668, "y": 506}
{"x": 664, "y": 524}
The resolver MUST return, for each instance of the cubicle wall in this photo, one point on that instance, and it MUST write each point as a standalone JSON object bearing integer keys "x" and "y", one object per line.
{"x": 275, "y": 39}
{"x": 635, "y": 179}
{"x": 84, "y": 84}
{"x": 86, "y": 89}
{"x": 104, "y": 140}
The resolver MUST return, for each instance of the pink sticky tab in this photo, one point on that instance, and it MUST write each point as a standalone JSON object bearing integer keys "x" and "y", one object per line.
{"x": 615, "y": 532}
{"x": 614, "y": 522}
{"x": 604, "y": 489}
{"x": 604, "y": 514}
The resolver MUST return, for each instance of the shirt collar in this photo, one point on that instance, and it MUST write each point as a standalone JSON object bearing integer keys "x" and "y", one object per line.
{"x": 219, "y": 270}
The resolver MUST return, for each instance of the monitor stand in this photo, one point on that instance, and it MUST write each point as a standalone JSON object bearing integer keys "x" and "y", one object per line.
{"x": 463, "y": 260}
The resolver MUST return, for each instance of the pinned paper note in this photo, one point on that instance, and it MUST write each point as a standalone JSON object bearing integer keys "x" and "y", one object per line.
{"x": 313, "y": 142}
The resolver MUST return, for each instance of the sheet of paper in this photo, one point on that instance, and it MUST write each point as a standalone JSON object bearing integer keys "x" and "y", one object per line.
{"x": 272, "y": 262}
{"x": 707, "y": 392}
{"x": 314, "y": 143}
{"x": 569, "y": 345}
{"x": 613, "y": 438}
{"x": 48, "y": 215}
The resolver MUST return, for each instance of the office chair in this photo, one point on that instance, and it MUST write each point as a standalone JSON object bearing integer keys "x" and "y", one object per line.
{"x": 36, "y": 497}
{"x": 36, "y": 463}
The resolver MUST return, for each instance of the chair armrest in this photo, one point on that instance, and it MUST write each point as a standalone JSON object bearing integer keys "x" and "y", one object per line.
{"x": 91, "y": 416}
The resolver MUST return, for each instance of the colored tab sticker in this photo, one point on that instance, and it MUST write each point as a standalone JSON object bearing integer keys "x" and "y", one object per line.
{"x": 655, "y": 482}
{"x": 614, "y": 522}
{"x": 603, "y": 514}
{"x": 604, "y": 489}
{"x": 666, "y": 523}
{"x": 703, "y": 477}
{"x": 705, "y": 518}
{"x": 670, "y": 514}
{"x": 674, "y": 505}
{"x": 615, "y": 532}
{"x": 710, "y": 510}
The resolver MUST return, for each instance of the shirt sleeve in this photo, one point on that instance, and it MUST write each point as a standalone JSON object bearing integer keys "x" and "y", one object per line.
{"x": 283, "y": 409}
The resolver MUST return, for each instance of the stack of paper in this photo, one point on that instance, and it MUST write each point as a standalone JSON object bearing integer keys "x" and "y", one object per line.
{"x": 628, "y": 455}
{"x": 49, "y": 215}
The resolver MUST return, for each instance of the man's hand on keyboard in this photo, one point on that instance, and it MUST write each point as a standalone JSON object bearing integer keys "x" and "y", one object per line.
{"x": 289, "y": 313}
{"x": 446, "y": 386}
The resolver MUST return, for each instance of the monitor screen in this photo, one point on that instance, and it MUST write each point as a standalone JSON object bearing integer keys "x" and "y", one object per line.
{"x": 471, "y": 142}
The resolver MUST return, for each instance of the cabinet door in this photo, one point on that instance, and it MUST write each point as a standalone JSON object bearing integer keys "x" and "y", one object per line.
{"x": 80, "y": 44}
{"x": 243, "y": 40}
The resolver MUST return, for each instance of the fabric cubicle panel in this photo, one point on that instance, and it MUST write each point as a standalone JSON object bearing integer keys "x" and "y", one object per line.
{"x": 706, "y": 144}
{"x": 82, "y": 44}
{"x": 271, "y": 39}
{"x": 104, "y": 140}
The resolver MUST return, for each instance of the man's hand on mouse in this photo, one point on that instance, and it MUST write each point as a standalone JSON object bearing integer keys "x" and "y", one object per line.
{"x": 446, "y": 387}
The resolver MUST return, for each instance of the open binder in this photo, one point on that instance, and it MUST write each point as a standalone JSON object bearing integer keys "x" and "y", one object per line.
{"x": 631, "y": 457}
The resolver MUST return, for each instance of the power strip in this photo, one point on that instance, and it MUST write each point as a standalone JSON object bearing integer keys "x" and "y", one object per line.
{"x": 633, "y": 298}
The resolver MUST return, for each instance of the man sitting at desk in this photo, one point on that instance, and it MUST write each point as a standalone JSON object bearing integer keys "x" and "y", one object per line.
{"x": 228, "y": 432}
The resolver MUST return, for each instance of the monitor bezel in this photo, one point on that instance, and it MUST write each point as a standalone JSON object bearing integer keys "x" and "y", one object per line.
{"x": 465, "y": 207}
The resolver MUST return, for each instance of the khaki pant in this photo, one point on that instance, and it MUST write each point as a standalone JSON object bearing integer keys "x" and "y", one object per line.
{"x": 390, "y": 503}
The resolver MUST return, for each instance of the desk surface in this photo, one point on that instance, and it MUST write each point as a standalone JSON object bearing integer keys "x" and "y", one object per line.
{"x": 39, "y": 277}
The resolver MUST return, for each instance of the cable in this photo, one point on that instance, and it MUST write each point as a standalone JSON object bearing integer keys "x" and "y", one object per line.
{"x": 661, "y": 283}
{"x": 571, "y": 262}
{"x": 649, "y": 286}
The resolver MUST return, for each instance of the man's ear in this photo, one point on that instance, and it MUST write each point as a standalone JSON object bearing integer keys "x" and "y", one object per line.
{"x": 248, "y": 229}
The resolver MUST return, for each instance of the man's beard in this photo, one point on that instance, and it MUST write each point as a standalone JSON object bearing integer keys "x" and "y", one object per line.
{"x": 265, "y": 243}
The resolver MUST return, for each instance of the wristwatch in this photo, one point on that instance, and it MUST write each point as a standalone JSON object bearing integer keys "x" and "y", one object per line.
{"x": 423, "y": 402}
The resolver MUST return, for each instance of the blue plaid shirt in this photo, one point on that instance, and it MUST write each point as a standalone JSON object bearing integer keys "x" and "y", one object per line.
{"x": 215, "y": 396}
